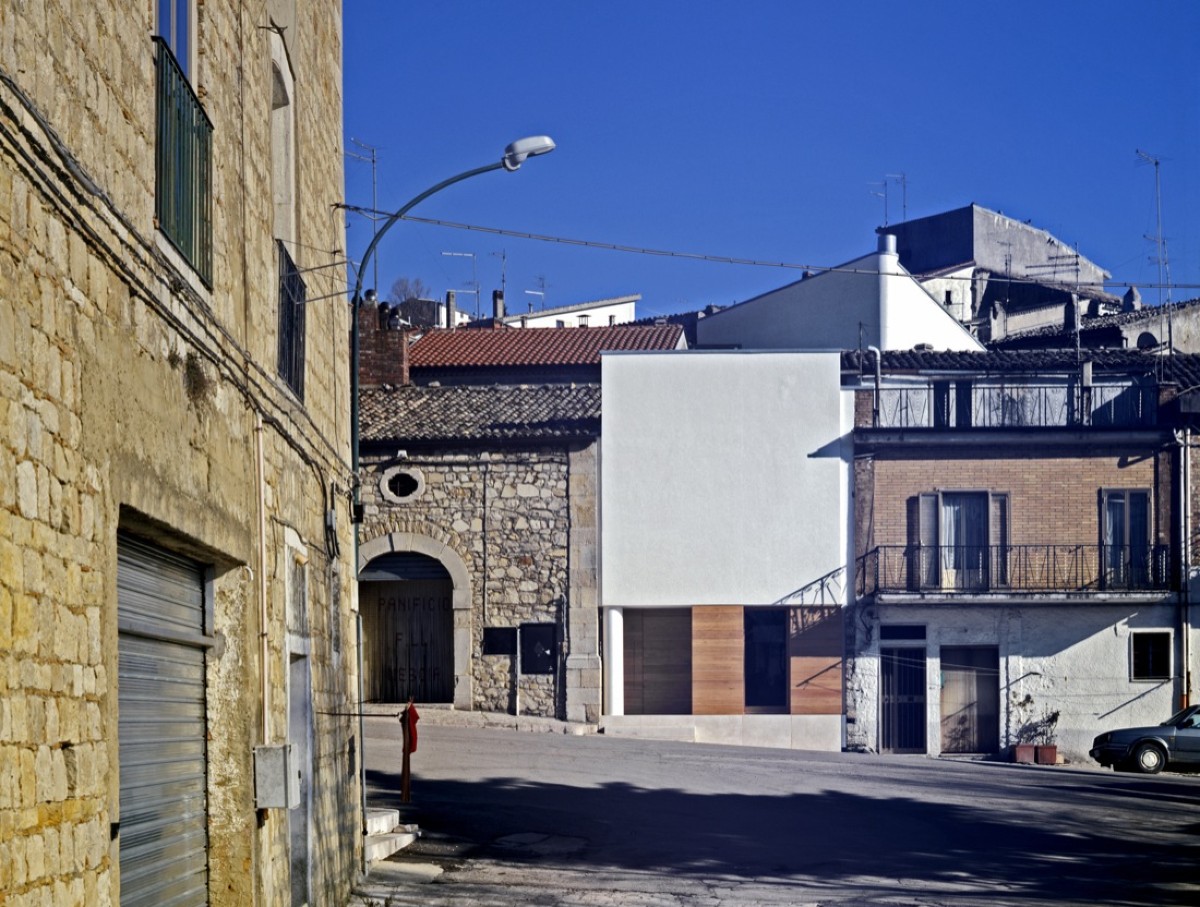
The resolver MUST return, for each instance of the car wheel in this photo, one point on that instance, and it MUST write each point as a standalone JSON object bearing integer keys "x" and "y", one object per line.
{"x": 1149, "y": 758}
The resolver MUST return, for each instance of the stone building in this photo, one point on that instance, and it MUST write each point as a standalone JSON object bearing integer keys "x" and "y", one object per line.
{"x": 478, "y": 563}
{"x": 1023, "y": 552}
{"x": 176, "y": 590}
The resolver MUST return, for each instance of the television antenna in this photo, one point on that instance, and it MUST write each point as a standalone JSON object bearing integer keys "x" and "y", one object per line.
{"x": 1160, "y": 241}
{"x": 375, "y": 217}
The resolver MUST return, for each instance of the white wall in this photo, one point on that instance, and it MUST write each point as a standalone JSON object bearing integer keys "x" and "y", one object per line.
{"x": 1071, "y": 659}
{"x": 724, "y": 476}
{"x": 871, "y": 301}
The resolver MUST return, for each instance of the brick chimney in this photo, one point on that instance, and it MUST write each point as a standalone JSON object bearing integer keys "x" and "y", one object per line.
{"x": 382, "y": 347}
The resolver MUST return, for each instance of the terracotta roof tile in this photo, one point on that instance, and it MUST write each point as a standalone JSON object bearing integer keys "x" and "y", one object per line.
{"x": 536, "y": 346}
{"x": 481, "y": 413}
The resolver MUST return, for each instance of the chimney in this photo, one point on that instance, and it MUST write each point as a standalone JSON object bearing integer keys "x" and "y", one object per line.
{"x": 382, "y": 350}
{"x": 451, "y": 315}
{"x": 498, "y": 305}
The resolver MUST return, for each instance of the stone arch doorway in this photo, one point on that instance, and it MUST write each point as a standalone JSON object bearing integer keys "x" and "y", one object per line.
{"x": 414, "y": 600}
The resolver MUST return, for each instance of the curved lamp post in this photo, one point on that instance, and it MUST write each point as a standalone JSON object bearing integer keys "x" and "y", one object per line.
{"x": 514, "y": 156}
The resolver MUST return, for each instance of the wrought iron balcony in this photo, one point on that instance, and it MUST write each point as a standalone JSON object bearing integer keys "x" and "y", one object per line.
{"x": 966, "y": 570}
{"x": 183, "y": 164}
{"x": 293, "y": 298}
{"x": 968, "y": 404}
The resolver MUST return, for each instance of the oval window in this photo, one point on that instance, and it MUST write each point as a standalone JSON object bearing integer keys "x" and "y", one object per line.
{"x": 400, "y": 484}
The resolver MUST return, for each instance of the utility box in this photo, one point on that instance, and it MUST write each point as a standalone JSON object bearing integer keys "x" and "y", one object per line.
{"x": 276, "y": 777}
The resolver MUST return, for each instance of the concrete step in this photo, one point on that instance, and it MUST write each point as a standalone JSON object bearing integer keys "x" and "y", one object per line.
{"x": 382, "y": 821}
{"x": 381, "y": 846}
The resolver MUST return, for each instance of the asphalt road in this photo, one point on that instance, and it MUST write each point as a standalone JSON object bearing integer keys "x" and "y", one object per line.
{"x": 541, "y": 819}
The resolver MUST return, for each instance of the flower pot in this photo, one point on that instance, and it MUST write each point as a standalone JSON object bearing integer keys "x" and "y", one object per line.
{"x": 1023, "y": 752}
{"x": 1046, "y": 754}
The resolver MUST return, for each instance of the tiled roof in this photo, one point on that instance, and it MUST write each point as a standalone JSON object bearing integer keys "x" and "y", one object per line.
{"x": 1183, "y": 368}
{"x": 481, "y": 413}
{"x": 1102, "y": 322}
{"x": 536, "y": 346}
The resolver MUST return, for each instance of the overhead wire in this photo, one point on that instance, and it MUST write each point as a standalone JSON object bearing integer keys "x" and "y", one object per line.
{"x": 706, "y": 257}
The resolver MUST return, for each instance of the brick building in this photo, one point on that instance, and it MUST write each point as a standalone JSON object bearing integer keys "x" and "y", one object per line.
{"x": 175, "y": 579}
{"x": 1022, "y": 552}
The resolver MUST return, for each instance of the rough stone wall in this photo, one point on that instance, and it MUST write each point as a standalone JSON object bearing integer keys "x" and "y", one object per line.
{"x": 509, "y": 515}
{"x": 130, "y": 396}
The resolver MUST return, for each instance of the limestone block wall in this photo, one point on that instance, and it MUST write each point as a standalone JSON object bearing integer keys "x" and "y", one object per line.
{"x": 523, "y": 523}
{"x": 134, "y": 398}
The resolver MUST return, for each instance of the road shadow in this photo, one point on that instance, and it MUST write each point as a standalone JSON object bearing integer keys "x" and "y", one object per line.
{"x": 825, "y": 839}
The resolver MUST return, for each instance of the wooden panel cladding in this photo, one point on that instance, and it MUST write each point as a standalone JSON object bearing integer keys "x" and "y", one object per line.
{"x": 658, "y": 661}
{"x": 717, "y": 673}
{"x": 815, "y": 647}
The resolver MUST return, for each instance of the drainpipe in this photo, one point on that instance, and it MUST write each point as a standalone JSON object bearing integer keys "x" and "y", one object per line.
{"x": 1185, "y": 566}
{"x": 264, "y": 670}
{"x": 878, "y": 381}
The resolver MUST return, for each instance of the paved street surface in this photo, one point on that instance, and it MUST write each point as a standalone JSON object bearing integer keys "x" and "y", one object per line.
{"x": 547, "y": 819}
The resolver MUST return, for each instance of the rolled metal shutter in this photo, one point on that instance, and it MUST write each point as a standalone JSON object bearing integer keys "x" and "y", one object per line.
{"x": 163, "y": 755}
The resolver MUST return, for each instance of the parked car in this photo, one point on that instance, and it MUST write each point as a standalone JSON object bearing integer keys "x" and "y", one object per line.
{"x": 1174, "y": 743}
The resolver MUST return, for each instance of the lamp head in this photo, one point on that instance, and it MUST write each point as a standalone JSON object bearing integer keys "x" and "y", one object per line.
{"x": 516, "y": 153}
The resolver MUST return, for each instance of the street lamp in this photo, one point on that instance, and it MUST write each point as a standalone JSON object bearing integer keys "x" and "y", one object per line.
{"x": 514, "y": 156}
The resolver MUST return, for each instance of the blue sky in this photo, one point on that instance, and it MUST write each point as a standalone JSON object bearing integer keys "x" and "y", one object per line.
{"x": 760, "y": 130}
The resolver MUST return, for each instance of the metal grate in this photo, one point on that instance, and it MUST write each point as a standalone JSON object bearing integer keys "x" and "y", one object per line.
{"x": 183, "y": 164}
{"x": 1015, "y": 568}
{"x": 292, "y": 305}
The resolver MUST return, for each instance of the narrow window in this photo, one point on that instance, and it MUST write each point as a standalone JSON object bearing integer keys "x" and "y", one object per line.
{"x": 766, "y": 662}
{"x": 1150, "y": 656}
{"x": 175, "y": 28}
{"x": 292, "y": 291}
{"x": 183, "y": 141}
{"x": 1126, "y": 542}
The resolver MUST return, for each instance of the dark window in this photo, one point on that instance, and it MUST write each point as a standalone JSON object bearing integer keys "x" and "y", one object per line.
{"x": 292, "y": 300}
{"x": 499, "y": 640}
{"x": 182, "y": 164}
{"x": 901, "y": 631}
{"x": 537, "y": 648}
{"x": 766, "y": 662}
{"x": 403, "y": 485}
{"x": 1151, "y": 656}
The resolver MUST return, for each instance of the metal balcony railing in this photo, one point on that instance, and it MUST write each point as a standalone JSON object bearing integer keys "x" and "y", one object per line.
{"x": 183, "y": 164}
{"x": 293, "y": 297}
{"x": 963, "y": 569}
{"x": 966, "y": 404}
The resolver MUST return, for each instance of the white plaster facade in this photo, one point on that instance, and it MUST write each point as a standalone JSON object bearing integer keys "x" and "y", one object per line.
{"x": 724, "y": 480}
{"x": 870, "y": 301}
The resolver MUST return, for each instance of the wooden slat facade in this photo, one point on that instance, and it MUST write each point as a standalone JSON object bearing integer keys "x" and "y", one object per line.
{"x": 815, "y": 647}
{"x": 718, "y": 681}
{"x": 658, "y": 661}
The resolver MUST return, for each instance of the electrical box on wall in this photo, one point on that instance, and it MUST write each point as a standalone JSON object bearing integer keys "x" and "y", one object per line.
{"x": 276, "y": 777}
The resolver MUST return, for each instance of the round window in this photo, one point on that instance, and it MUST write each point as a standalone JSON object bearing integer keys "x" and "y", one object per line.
{"x": 401, "y": 483}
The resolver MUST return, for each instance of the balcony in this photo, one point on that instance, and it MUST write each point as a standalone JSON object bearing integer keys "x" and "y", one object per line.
{"x": 968, "y": 404}
{"x": 183, "y": 165}
{"x": 963, "y": 571}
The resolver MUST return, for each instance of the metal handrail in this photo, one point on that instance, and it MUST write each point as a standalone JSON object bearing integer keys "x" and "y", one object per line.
{"x": 967, "y": 404}
{"x": 1014, "y": 568}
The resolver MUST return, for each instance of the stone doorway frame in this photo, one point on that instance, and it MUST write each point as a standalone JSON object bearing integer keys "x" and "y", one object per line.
{"x": 460, "y": 596}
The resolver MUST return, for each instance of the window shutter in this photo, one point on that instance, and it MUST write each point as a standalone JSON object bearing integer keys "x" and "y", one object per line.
{"x": 927, "y": 571}
{"x": 998, "y": 538}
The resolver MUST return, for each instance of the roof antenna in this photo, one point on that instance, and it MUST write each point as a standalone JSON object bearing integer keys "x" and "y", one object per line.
{"x": 1160, "y": 244}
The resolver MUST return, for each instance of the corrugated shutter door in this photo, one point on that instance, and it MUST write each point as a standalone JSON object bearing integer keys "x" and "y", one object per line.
{"x": 161, "y": 653}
